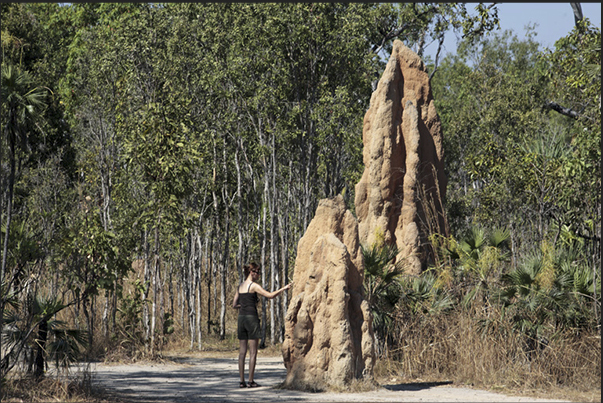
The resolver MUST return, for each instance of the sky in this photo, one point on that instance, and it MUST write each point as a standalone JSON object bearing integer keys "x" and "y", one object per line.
{"x": 552, "y": 21}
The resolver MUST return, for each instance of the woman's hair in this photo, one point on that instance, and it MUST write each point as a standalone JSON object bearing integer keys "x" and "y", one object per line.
{"x": 248, "y": 268}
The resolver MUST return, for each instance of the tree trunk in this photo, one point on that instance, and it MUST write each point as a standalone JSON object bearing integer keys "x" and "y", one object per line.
{"x": 263, "y": 259}
{"x": 155, "y": 279}
{"x": 202, "y": 254}
{"x": 114, "y": 304}
{"x": 225, "y": 252}
{"x": 145, "y": 307}
{"x": 240, "y": 228}
{"x": 105, "y": 318}
{"x": 209, "y": 274}
{"x": 89, "y": 321}
{"x": 283, "y": 232}
{"x": 563, "y": 110}
{"x": 9, "y": 205}
{"x": 274, "y": 272}
{"x": 161, "y": 305}
{"x": 577, "y": 8}
{"x": 189, "y": 284}
{"x": 171, "y": 289}
{"x": 39, "y": 362}
{"x": 183, "y": 286}
{"x": 223, "y": 269}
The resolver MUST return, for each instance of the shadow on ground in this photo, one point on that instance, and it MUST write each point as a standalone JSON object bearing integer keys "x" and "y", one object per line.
{"x": 212, "y": 380}
{"x": 185, "y": 379}
{"x": 415, "y": 386}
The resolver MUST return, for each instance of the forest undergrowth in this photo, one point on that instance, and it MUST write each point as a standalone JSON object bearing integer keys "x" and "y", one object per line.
{"x": 454, "y": 349}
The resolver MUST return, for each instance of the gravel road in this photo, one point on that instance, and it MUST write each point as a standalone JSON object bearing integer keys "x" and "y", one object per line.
{"x": 201, "y": 379}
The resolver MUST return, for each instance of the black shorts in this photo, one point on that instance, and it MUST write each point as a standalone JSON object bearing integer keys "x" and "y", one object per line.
{"x": 249, "y": 327}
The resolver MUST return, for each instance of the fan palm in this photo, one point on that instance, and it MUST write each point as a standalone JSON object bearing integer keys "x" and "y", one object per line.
{"x": 479, "y": 256}
{"x": 22, "y": 104}
{"x": 21, "y": 107}
{"x": 381, "y": 280}
{"x": 424, "y": 296}
{"x": 36, "y": 331}
{"x": 538, "y": 305}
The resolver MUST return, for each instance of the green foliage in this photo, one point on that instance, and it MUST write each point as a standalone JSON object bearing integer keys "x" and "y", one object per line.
{"x": 20, "y": 113}
{"x": 423, "y": 23}
{"x": 574, "y": 67}
{"x": 543, "y": 296}
{"x": 22, "y": 107}
{"x": 509, "y": 159}
{"x": 574, "y": 70}
{"x": 381, "y": 280}
{"x": 35, "y": 38}
{"x": 92, "y": 254}
{"x": 514, "y": 164}
{"x": 130, "y": 311}
{"x": 425, "y": 296}
{"x": 382, "y": 285}
{"x": 168, "y": 324}
{"x": 478, "y": 260}
{"x": 23, "y": 248}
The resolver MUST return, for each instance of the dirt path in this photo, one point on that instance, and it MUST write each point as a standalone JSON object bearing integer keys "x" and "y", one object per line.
{"x": 206, "y": 379}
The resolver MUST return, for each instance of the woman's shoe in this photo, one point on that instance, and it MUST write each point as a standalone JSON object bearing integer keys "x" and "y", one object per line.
{"x": 242, "y": 384}
{"x": 252, "y": 384}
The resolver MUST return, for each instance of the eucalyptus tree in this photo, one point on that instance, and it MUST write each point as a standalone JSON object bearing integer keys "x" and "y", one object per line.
{"x": 158, "y": 146}
{"x": 90, "y": 97}
{"x": 574, "y": 68}
{"x": 191, "y": 47}
{"x": 490, "y": 101}
{"x": 134, "y": 134}
{"x": 286, "y": 80}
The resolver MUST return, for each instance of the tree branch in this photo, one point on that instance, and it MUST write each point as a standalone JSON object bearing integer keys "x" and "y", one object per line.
{"x": 578, "y": 16}
{"x": 394, "y": 32}
{"x": 435, "y": 66}
{"x": 562, "y": 110}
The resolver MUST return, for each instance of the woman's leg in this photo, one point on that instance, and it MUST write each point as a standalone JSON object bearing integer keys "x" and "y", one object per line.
{"x": 253, "y": 354}
{"x": 242, "y": 354}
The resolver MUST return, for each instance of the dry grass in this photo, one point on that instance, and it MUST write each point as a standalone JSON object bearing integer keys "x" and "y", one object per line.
{"x": 355, "y": 386}
{"x": 73, "y": 390}
{"x": 458, "y": 349}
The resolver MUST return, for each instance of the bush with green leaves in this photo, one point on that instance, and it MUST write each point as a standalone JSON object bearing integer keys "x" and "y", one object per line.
{"x": 550, "y": 291}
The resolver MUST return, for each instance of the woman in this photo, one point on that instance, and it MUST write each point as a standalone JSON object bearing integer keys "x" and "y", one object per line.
{"x": 245, "y": 300}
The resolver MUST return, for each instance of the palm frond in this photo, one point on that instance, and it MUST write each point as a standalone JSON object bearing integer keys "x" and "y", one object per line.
{"x": 499, "y": 237}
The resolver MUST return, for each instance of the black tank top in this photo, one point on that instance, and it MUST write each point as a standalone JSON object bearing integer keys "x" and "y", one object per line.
{"x": 248, "y": 301}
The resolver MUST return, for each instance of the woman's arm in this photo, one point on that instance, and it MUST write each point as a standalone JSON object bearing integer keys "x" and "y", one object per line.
{"x": 235, "y": 301}
{"x": 255, "y": 287}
